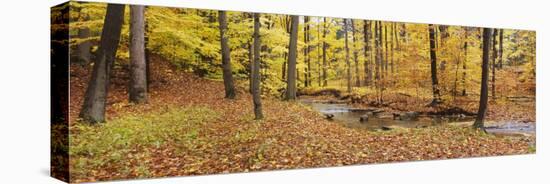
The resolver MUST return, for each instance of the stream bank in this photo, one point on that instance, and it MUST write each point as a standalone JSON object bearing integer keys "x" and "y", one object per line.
{"x": 376, "y": 119}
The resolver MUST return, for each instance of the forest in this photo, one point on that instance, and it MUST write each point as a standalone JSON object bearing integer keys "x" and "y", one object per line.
{"x": 159, "y": 91}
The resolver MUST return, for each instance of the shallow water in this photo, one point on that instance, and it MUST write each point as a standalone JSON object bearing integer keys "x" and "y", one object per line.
{"x": 350, "y": 116}
{"x": 513, "y": 127}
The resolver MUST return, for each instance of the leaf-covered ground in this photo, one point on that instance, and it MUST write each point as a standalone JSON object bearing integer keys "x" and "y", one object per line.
{"x": 188, "y": 128}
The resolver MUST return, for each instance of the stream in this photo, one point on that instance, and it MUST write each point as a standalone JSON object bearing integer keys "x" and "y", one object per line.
{"x": 350, "y": 117}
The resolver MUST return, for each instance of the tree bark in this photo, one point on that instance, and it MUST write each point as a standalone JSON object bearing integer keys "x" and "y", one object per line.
{"x": 84, "y": 52}
{"x": 348, "y": 67}
{"x": 307, "y": 73}
{"x": 500, "y": 48}
{"x": 465, "y": 61}
{"x": 286, "y": 24}
{"x": 493, "y": 64}
{"x": 93, "y": 108}
{"x": 435, "y": 86}
{"x": 138, "y": 67}
{"x": 391, "y": 49}
{"x": 256, "y": 96}
{"x": 396, "y": 37}
{"x": 292, "y": 49}
{"x": 325, "y": 52}
{"x": 355, "y": 57}
{"x": 479, "y": 123}
{"x": 226, "y": 57}
{"x": 385, "y": 50}
{"x": 366, "y": 36}
{"x": 378, "y": 40}
{"x": 319, "y": 52}
{"x": 251, "y": 68}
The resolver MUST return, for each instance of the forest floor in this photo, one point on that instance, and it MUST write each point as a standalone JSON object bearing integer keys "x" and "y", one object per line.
{"x": 188, "y": 128}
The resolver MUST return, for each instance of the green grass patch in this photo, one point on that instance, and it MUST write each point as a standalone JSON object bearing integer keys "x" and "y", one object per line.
{"x": 532, "y": 149}
{"x": 116, "y": 143}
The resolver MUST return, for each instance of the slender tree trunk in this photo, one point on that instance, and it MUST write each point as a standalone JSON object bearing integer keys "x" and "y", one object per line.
{"x": 325, "y": 52}
{"x": 493, "y": 63}
{"x": 396, "y": 37}
{"x": 435, "y": 86}
{"x": 93, "y": 108}
{"x": 138, "y": 69}
{"x": 385, "y": 50}
{"x": 307, "y": 73}
{"x": 319, "y": 52}
{"x": 348, "y": 68}
{"x": 465, "y": 61}
{"x": 378, "y": 59}
{"x": 391, "y": 49}
{"x": 455, "y": 83}
{"x": 381, "y": 83}
{"x": 366, "y": 36}
{"x": 403, "y": 33}
{"x": 500, "y": 43}
{"x": 355, "y": 57}
{"x": 479, "y": 123}
{"x": 251, "y": 67}
{"x": 292, "y": 49}
{"x": 256, "y": 96}
{"x": 380, "y": 39}
{"x": 286, "y": 24}
{"x": 226, "y": 57}
{"x": 84, "y": 54}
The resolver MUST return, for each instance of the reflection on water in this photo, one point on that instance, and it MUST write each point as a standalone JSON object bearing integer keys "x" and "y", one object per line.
{"x": 349, "y": 116}
{"x": 513, "y": 127}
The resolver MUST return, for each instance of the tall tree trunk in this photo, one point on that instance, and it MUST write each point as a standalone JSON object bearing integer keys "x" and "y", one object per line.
{"x": 138, "y": 69}
{"x": 465, "y": 61}
{"x": 385, "y": 50}
{"x": 366, "y": 36}
{"x": 84, "y": 52}
{"x": 226, "y": 58}
{"x": 256, "y": 96}
{"x": 378, "y": 55}
{"x": 325, "y": 52}
{"x": 435, "y": 86}
{"x": 286, "y": 24}
{"x": 348, "y": 68}
{"x": 292, "y": 49}
{"x": 493, "y": 63}
{"x": 500, "y": 49}
{"x": 93, "y": 108}
{"x": 319, "y": 52}
{"x": 307, "y": 73}
{"x": 355, "y": 57}
{"x": 444, "y": 34}
{"x": 251, "y": 67}
{"x": 484, "y": 80}
{"x": 380, "y": 40}
{"x": 455, "y": 83}
{"x": 381, "y": 83}
{"x": 396, "y": 37}
{"x": 391, "y": 48}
